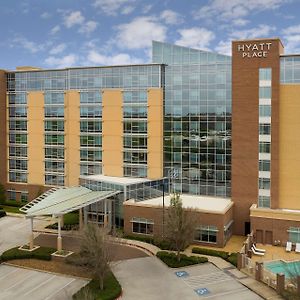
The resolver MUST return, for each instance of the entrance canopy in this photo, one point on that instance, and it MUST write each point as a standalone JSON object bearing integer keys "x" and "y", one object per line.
{"x": 59, "y": 201}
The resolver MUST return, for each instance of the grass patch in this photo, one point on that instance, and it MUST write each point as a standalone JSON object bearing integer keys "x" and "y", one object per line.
{"x": 13, "y": 203}
{"x": 71, "y": 222}
{"x": 112, "y": 289}
{"x": 11, "y": 209}
{"x": 43, "y": 253}
{"x": 170, "y": 259}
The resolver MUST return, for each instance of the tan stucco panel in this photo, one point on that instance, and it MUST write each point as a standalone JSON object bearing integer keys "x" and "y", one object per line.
{"x": 289, "y": 147}
{"x": 35, "y": 138}
{"x": 112, "y": 132}
{"x": 72, "y": 138}
{"x": 155, "y": 133}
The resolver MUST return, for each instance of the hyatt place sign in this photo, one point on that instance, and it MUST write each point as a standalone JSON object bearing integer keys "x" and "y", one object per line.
{"x": 254, "y": 50}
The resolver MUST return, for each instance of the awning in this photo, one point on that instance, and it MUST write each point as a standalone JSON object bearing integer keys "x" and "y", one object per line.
{"x": 59, "y": 201}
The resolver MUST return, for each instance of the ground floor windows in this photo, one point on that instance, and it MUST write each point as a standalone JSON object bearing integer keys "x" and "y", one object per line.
{"x": 206, "y": 233}
{"x": 294, "y": 234}
{"x": 143, "y": 226}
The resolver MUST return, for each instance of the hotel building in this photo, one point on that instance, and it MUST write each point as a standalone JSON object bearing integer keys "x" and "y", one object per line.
{"x": 221, "y": 130}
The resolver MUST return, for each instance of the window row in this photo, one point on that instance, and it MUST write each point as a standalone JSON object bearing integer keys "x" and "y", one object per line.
{"x": 91, "y": 111}
{"x": 57, "y": 153}
{"x": 18, "y": 138}
{"x": 265, "y": 165}
{"x": 17, "y": 177}
{"x": 135, "y": 111}
{"x": 17, "y": 111}
{"x": 135, "y": 142}
{"x": 90, "y": 126}
{"x": 91, "y": 97}
{"x": 265, "y": 129}
{"x": 90, "y": 169}
{"x": 90, "y": 155}
{"x": 53, "y": 179}
{"x": 91, "y": 140}
{"x": 54, "y": 166}
{"x": 54, "y": 111}
{"x": 17, "y": 164}
{"x": 135, "y": 157}
{"x": 135, "y": 171}
{"x": 135, "y": 126}
{"x": 54, "y": 139}
{"x": 57, "y": 125}
{"x": 54, "y": 98}
{"x": 135, "y": 97}
{"x": 18, "y": 151}
{"x": 18, "y": 125}
{"x": 264, "y": 183}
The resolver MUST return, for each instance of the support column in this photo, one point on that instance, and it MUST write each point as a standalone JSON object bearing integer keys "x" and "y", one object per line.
{"x": 85, "y": 216}
{"x": 105, "y": 214}
{"x": 258, "y": 271}
{"x": 80, "y": 219}
{"x": 280, "y": 283}
{"x": 31, "y": 237}
{"x": 59, "y": 238}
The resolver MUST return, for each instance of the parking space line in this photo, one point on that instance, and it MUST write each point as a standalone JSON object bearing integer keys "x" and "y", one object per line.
{"x": 39, "y": 285}
{"x": 22, "y": 280}
{"x": 13, "y": 271}
{"x": 49, "y": 297}
{"x": 217, "y": 295}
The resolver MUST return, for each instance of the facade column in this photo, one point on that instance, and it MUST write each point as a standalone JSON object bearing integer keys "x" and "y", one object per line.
{"x": 59, "y": 238}
{"x": 31, "y": 237}
{"x": 105, "y": 214}
{"x": 85, "y": 216}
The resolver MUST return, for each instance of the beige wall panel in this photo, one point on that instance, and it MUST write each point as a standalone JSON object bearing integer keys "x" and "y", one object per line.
{"x": 112, "y": 133}
{"x": 72, "y": 138}
{"x": 289, "y": 147}
{"x": 35, "y": 138}
{"x": 3, "y": 128}
{"x": 155, "y": 133}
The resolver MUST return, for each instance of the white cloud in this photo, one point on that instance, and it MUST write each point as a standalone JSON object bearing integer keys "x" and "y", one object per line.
{"x": 73, "y": 18}
{"x": 261, "y": 31}
{"x": 171, "y": 17}
{"x": 45, "y": 15}
{"x": 58, "y": 49}
{"x": 111, "y": 7}
{"x": 195, "y": 37}
{"x": 62, "y": 62}
{"x": 88, "y": 27}
{"x": 30, "y": 46}
{"x": 127, "y": 10}
{"x": 291, "y": 36}
{"x": 240, "y": 22}
{"x": 235, "y": 9}
{"x": 147, "y": 8}
{"x": 95, "y": 57}
{"x": 55, "y": 30}
{"x": 140, "y": 32}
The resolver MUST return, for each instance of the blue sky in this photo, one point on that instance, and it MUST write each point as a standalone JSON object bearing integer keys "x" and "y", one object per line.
{"x": 61, "y": 33}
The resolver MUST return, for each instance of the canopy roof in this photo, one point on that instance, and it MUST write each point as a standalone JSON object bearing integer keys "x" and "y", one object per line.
{"x": 59, "y": 201}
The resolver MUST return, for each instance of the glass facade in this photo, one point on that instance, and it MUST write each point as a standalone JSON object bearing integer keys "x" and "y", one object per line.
{"x": 290, "y": 69}
{"x": 197, "y": 119}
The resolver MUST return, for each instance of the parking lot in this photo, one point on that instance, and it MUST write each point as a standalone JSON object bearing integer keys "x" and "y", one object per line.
{"x": 148, "y": 278}
{"x": 18, "y": 283}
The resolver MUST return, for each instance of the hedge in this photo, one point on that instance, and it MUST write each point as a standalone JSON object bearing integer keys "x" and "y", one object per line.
{"x": 170, "y": 259}
{"x": 43, "y": 253}
{"x": 13, "y": 203}
{"x": 211, "y": 252}
{"x": 112, "y": 289}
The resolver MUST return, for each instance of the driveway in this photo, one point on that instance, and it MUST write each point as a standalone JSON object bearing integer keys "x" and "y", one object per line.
{"x": 14, "y": 231}
{"x": 148, "y": 278}
{"x": 22, "y": 284}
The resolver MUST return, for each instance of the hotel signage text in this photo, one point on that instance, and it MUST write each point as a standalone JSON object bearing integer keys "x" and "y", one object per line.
{"x": 254, "y": 50}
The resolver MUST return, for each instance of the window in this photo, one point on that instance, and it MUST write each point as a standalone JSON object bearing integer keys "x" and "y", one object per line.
{"x": 91, "y": 111}
{"x": 265, "y": 92}
{"x": 54, "y": 98}
{"x": 264, "y": 201}
{"x": 54, "y": 139}
{"x": 18, "y": 151}
{"x": 264, "y": 147}
{"x": 264, "y": 183}
{"x": 57, "y": 153}
{"x": 135, "y": 126}
{"x": 57, "y": 125}
{"x": 18, "y": 138}
{"x": 17, "y": 177}
{"x": 143, "y": 226}
{"x": 17, "y": 164}
{"x": 265, "y": 165}
{"x": 135, "y": 111}
{"x": 24, "y": 196}
{"x": 54, "y": 111}
{"x": 264, "y": 129}
{"x": 90, "y": 126}
{"x": 90, "y": 155}
{"x": 54, "y": 166}
{"x": 91, "y": 140}
{"x": 265, "y": 74}
{"x": 12, "y": 195}
{"x": 90, "y": 97}
{"x": 135, "y": 97}
{"x": 54, "y": 179}
{"x": 90, "y": 169}
{"x": 18, "y": 125}
{"x": 294, "y": 234}
{"x": 264, "y": 110}
{"x": 135, "y": 171}
{"x": 206, "y": 234}
{"x": 135, "y": 142}
{"x": 135, "y": 157}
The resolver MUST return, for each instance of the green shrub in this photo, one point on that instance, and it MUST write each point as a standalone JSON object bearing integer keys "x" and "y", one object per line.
{"x": 112, "y": 289}
{"x": 2, "y": 213}
{"x": 13, "y": 203}
{"x": 170, "y": 259}
{"x": 210, "y": 252}
{"x": 232, "y": 258}
{"x": 71, "y": 222}
{"x": 140, "y": 238}
{"x": 43, "y": 253}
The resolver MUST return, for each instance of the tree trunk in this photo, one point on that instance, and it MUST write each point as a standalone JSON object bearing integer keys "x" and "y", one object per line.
{"x": 101, "y": 281}
{"x": 178, "y": 255}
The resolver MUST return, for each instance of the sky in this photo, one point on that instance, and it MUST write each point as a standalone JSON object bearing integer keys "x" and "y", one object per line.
{"x": 66, "y": 33}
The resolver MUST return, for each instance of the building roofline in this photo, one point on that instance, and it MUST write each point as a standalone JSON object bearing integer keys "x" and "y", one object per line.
{"x": 260, "y": 39}
{"x": 85, "y": 67}
{"x": 287, "y": 55}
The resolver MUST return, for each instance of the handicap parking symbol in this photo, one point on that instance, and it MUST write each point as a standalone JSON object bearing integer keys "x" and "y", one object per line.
{"x": 202, "y": 291}
{"x": 181, "y": 274}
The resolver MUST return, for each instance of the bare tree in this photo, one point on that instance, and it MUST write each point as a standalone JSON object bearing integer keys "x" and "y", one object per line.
{"x": 180, "y": 225}
{"x": 96, "y": 251}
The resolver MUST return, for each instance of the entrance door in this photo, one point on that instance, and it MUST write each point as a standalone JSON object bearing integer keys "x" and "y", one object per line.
{"x": 269, "y": 237}
{"x": 247, "y": 228}
{"x": 259, "y": 236}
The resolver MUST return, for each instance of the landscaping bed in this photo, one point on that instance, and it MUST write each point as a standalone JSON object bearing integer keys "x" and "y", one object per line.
{"x": 170, "y": 259}
{"x": 112, "y": 289}
{"x": 232, "y": 257}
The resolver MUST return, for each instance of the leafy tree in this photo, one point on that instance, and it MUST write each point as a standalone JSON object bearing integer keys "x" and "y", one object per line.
{"x": 96, "y": 251}
{"x": 2, "y": 194}
{"x": 180, "y": 225}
